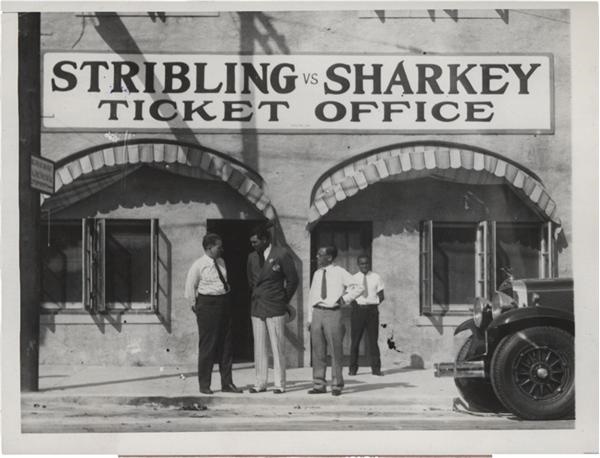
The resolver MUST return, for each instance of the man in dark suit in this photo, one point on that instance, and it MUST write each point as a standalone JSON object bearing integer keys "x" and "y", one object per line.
{"x": 273, "y": 281}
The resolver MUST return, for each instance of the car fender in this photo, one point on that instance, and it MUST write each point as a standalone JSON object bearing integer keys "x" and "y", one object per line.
{"x": 517, "y": 319}
{"x": 529, "y": 313}
{"x": 465, "y": 325}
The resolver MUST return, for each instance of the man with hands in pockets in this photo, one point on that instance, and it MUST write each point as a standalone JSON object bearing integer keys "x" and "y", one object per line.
{"x": 207, "y": 288}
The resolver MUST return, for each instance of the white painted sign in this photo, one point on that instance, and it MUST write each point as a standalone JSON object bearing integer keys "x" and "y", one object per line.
{"x": 42, "y": 174}
{"x": 298, "y": 93}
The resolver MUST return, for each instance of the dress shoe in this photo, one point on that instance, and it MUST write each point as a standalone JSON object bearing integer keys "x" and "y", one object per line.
{"x": 254, "y": 390}
{"x": 378, "y": 373}
{"x": 317, "y": 391}
{"x": 231, "y": 388}
{"x": 351, "y": 372}
{"x": 206, "y": 391}
{"x": 336, "y": 392}
{"x": 278, "y": 391}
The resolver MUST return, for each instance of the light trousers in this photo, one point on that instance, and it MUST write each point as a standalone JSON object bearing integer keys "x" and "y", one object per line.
{"x": 327, "y": 332}
{"x": 275, "y": 328}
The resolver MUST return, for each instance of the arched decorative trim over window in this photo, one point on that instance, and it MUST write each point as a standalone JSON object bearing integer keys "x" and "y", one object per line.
{"x": 87, "y": 172}
{"x": 448, "y": 161}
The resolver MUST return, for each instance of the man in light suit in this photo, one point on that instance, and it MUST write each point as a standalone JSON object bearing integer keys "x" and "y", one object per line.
{"x": 273, "y": 281}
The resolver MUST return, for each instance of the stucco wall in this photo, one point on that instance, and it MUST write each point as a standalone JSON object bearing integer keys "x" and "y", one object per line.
{"x": 396, "y": 208}
{"x": 182, "y": 206}
{"x": 290, "y": 164}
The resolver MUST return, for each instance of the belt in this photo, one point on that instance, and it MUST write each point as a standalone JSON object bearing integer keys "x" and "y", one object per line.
{"x": 212, "y": 295}
{"x": 320, "y": 307}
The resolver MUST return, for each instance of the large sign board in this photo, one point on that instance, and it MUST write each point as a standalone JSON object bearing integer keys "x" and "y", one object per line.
{"x": 499, "y": 93}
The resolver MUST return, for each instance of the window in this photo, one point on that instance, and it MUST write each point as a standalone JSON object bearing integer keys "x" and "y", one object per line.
{"x": 61, "y": 250}
{"x": 101, "y": 265}
{"x": 461, "y": 261}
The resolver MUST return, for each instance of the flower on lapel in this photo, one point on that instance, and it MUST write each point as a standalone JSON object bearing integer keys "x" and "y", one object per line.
{"x": 276, "y": 267}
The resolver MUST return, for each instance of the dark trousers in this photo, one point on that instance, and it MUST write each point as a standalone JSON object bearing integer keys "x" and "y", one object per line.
{"x": 327, "y": 330}
{"x": 213, "y": 315}
{"x": 364, "y": 317}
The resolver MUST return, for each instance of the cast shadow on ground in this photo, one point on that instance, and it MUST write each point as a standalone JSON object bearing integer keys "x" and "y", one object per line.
{"x": 117, "y": 382}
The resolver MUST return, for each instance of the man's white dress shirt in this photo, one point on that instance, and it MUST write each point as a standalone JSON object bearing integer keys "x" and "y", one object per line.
{"x": 267, "y": 252}
{"x": 203, "y": 278}
{"x": 340, "y": 284}
{"x": 374, "y": 286}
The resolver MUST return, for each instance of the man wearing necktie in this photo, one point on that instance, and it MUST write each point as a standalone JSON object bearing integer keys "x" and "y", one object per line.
{"x": 273, "y": 281}
{"x": 332, "y": 287}
{"x": 207, "y": 288}
{"x": 365, "y": 315}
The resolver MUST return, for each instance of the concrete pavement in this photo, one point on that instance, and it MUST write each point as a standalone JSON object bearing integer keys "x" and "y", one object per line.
{"x": 400, "y": 385}
{"x": 160, "y": 399}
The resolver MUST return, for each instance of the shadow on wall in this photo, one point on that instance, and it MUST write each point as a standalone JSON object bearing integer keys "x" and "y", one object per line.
{"x": 135, "y": 195}
{"x": 149, "y": 187}
{"x": 269, "y": 42}
{"x": 399, "y": 207}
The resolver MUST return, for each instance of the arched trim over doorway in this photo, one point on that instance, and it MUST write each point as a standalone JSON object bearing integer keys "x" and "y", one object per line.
{"x": 447, "y": 161}
{"x": 87, "y": 172}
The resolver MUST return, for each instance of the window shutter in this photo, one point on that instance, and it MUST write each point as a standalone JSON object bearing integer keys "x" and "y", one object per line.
{"x": 154, "y": 262}
{"x": 426, "y": 267}
{"x": 87, "y": 261}
{"x": 99, "y": 265}
{"x": 491, "y": 262}
{"x": 162, "y": 248}
{"x": 481, "y": 260}
{"x": 547, "y": 251}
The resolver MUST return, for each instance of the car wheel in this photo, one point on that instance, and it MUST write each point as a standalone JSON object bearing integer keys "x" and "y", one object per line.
{"x": 478, "y": 393}
{"x": 533, "y": 373}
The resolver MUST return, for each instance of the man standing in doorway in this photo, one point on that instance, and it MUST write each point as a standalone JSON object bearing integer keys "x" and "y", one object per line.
{"x": 332, "y": 287}
{"x": 365, "y": 315}
{"x": 273, "y": 280}
{"x": 207, "y": 288}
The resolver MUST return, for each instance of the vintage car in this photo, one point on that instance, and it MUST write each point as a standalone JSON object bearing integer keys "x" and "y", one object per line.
{"x": 519, "y": 357}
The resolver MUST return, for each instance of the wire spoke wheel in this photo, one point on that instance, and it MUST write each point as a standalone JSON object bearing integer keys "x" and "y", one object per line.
{"x": 533, "y": 373}
{"x": 540, "y": 372}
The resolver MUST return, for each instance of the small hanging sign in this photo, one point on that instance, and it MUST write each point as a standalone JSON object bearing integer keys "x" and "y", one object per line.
{"x": 42, "y": 175}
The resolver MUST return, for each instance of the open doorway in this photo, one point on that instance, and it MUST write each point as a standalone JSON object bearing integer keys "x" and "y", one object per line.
{"x": 236, "y": 241}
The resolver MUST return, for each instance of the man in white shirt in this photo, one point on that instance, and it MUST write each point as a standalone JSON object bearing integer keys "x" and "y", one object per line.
{"x": 207, "y": 289}
{"x": 365, "y": 315}
{"x": 332, "y": 286}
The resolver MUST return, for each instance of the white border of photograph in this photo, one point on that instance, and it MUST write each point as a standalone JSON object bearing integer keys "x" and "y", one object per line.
{"x": 583, "y": 438}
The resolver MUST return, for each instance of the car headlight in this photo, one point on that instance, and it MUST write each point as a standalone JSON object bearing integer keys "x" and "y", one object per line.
{"x": 481, "y": 307}
{"x": 501, "y": 302}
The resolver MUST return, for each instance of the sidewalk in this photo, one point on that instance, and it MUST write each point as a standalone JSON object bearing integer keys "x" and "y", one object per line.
{"x": 154, "y": 399}
{"x": 176, "y": 385}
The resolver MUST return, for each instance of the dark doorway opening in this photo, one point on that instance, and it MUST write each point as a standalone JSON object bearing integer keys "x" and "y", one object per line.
{"x": 351, "y": 238}
{"x": 236, "y": 241}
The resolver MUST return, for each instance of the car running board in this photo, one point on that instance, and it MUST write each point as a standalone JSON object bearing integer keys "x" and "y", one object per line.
{"x": 464, "y": 369}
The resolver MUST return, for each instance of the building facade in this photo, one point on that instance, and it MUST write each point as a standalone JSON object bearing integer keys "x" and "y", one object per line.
{"x": 444, "y": 214}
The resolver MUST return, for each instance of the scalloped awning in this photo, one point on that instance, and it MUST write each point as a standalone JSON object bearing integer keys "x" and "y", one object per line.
{"x": 94, "y": 170}
{"x": 458, "y": 164}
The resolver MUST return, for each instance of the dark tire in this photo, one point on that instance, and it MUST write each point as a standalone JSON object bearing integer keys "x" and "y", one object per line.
{"x": 533, "y": 373}
{"x": 478, "y": 393}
